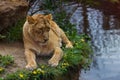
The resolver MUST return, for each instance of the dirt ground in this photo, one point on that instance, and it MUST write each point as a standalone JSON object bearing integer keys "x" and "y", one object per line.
{"x": 17, "y": 51}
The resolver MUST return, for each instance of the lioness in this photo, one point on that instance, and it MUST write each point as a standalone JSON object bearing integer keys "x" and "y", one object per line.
{"x": 43, "y": 36}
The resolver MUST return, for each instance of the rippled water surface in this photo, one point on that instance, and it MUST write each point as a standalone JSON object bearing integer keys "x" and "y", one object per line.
{"x": 105, "y": 33}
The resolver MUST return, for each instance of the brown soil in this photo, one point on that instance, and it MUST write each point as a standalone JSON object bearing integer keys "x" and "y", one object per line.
{"x": 17, "y": 51}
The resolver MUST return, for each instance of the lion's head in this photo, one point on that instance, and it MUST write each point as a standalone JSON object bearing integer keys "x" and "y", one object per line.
{"x": 39, "y": 27}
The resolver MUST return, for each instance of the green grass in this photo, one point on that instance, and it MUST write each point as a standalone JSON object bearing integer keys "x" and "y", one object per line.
{"x": 14, "y": 33}
{"x": 5, "y": 61}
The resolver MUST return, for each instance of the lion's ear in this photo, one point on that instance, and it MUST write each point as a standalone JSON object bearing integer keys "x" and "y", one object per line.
{"x": 30, "y": 20}
{"x": 49, "y": 16}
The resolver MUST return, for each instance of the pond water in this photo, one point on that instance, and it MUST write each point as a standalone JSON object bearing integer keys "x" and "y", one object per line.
{"x": 105, "y": 34}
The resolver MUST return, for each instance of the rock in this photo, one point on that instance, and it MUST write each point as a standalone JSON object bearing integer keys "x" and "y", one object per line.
{"x": 112, "y": 8}
{"x": 11, "y": 11}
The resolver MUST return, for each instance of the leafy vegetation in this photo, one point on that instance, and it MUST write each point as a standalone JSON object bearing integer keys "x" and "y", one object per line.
{"x": 2, "y": 37}
{"x": 5, "y": 61}
{"x": 14, "y": 33}
{"x": 50, "y": 4}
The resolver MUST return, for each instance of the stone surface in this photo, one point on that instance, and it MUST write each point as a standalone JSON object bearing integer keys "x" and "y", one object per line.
{"x": 11, "y": 11}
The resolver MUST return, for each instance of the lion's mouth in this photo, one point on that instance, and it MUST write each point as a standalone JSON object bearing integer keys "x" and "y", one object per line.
{"x": 42, "y": 42}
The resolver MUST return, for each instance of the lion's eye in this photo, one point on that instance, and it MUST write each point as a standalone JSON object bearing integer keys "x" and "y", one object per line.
{"x": 40, "y": 31}
{"x": 47, "y": 29}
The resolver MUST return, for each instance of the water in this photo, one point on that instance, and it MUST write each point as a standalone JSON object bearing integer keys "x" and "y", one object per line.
{"x": 105, "y": 33}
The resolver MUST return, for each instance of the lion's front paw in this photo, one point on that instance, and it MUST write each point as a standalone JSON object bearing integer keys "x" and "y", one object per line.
{"x": 53, "y": 63}
{"x": 69, "y": 45}
{"x": 31, "y": 67}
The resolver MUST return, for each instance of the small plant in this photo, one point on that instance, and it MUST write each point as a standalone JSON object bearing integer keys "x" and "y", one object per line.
{"x": 14, "y": 33}
{"x": 6, "y": 60}
{"x": 51, "y": 4}
{"x": 1, "y": 79}
{"x": 2, "y": 37}
{"x": 19, "y": 75}
{"x": 2, "y": 70}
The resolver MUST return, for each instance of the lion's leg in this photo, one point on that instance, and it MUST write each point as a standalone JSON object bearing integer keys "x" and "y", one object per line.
{"x": 30, "y": 56}
{"x": 66, "y": 40}
{"x": 58, "y": 53}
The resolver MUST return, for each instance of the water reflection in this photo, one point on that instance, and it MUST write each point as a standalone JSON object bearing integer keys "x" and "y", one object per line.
{"x": 105, "y": 33}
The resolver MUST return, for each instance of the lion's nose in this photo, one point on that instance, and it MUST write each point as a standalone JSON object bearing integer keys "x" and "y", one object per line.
{"x": 45, "y": 40}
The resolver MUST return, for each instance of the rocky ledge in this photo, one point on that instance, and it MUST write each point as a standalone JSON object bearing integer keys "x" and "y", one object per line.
{"x": 11, "y": 11}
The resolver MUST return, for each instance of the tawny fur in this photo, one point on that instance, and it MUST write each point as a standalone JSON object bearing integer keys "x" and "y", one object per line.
{"x": 48, "y": 42}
